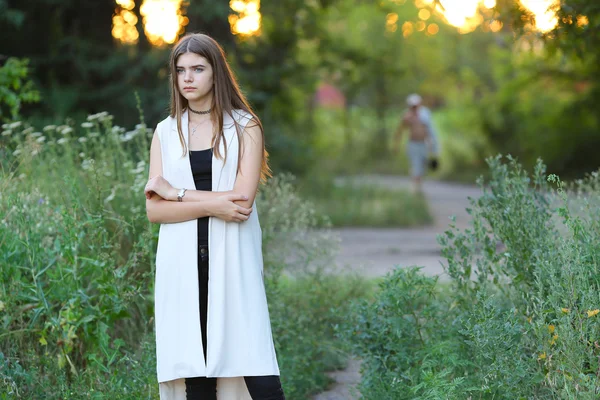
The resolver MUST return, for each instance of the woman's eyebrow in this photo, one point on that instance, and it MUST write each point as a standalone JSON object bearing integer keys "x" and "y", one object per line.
{"x": 192, "y": 66}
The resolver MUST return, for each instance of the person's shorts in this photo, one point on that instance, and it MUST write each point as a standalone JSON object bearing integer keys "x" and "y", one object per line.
{"x": 417, "y": 153}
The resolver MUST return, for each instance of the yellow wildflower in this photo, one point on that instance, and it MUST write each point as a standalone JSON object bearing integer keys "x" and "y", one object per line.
{"x": 565, "y": 310}
{"x": 591, "y": 313}
{"x": 553, "y": 341}
{"x": 551, "y": 328}
{"x": 542, "y": 356}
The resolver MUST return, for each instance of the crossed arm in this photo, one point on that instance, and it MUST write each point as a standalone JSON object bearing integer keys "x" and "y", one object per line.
{"x": 235, "y": 205}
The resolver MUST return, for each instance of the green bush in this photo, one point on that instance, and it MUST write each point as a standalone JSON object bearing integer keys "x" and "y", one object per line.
{"x": 520, "y": 316}
{"x": 406, "y": 340}
{"x": 15, "y": 88}
{"x": 304, "y": 311}
{"x": 77, "y": 268}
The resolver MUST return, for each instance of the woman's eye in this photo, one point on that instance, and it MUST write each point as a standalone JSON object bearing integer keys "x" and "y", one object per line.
{"x": 179, "y": 71}
{"x": 199, "y": 69}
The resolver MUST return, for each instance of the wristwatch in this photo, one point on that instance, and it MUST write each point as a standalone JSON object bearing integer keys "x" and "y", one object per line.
{"x": 180, "y": 194}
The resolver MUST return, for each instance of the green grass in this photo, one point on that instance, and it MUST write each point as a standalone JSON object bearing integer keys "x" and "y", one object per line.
{"x": 370, "y": 206}
{"x": 305, "y": 312}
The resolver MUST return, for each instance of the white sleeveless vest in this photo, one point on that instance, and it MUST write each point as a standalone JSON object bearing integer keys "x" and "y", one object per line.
{"x": 239, "y": 341}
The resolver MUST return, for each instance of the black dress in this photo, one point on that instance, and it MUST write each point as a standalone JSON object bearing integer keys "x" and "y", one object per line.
{"x": 201, "y": 163}
{"x": 259, "y": 387}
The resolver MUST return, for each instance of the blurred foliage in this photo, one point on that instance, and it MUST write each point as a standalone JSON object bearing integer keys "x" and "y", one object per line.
{"x": 16, "y": 88}
{"x": 368, "y": 205}
{"x": 544, "y": 100}
{"x": 480, "y": 83}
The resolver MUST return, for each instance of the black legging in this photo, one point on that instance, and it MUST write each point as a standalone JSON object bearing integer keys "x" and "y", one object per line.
{"x": 259, "y": 387}
{"x": 202, "y": 388}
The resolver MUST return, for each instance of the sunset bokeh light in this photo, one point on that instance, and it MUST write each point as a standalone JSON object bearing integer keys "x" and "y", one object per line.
{"x": 163, "y": 20}
{"x": 543, "y": 12}
{"x": 124, "y": 21}
{"x": 464, "y": 14}
{"x": 246, "y": 18}
{"x": 467, "y": 15}
{"x": 391, "y": 22}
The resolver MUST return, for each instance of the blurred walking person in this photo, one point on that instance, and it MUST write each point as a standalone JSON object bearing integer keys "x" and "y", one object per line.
{"x": 422, "y": 145}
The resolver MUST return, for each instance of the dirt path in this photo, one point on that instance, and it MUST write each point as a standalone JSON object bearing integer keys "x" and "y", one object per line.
{"x": 373, "y": 252}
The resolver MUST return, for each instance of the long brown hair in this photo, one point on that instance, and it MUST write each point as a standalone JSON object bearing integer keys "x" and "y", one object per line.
{"x": 227, "y": 95}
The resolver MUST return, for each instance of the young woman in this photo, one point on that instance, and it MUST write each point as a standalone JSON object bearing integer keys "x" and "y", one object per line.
{"x": 213, "y": 334}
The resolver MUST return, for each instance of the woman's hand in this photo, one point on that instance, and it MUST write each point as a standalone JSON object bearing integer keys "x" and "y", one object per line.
{"x": 160, "y": 186}
{"x": 223, "y": 207}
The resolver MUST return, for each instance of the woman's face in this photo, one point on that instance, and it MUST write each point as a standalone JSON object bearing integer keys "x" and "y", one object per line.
{"x": 194, "y": 76}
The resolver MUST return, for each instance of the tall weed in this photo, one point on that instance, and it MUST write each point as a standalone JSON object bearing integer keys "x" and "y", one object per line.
{"x": 77, "y": 268}
{"x": 520, "y": 316}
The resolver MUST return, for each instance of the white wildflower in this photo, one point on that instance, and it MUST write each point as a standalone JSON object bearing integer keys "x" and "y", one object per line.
{"x": 34, "y": 152}
{"x": 87, "y": 125}
{"x": 139, "y": 168}
{"x": 87, "y": 164}
{"x": 82, "y": 155}
{"x": 36, "y": 134}
{"x": 41, "y": 139}
{"x": 22, "y": 176}
{"x": 62, "y": 140}
{"x": 111, "y": 196}
{"x": 140, "y": 126}
{"x": 66, "y": 130}
{"x": 101, "y": 116}
{"x": 105, "y": 117}
{"x": 16, "y": 152}
{"x": 107, "y": 173}
{"x": 6, "y": 133}
{"x": 82, "y": 139}
{"x": 5, "y": 126}
{"x": 94, "y": 134}
{"x": 15, "y": 125}
{"x": 49, "y": 128}
{"x": 128, "y": 136}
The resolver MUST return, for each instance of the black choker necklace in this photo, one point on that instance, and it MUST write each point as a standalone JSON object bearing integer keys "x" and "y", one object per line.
{"x": 199, "y": 112}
